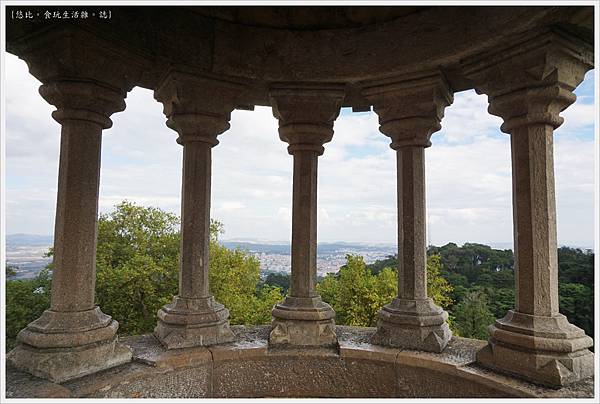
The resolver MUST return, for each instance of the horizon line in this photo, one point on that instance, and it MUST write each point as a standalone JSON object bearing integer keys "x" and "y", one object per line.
{"x": 379, "y": 243}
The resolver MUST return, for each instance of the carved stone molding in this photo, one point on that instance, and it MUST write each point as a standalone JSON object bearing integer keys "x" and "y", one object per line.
{"x": 71, "y": 53}
{"x": 306, "y": 114}
{"x": 410, "y": 107}
{"x": 531, "y": 81}
{"x": 83, "y": 101}
{"x": 198, "y": 107}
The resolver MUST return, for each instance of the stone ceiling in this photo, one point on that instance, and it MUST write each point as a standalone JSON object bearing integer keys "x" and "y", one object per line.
{"x": 306, "y": 18}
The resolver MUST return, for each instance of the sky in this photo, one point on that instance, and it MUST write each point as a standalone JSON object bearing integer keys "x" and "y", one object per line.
{"x": 468, "y": 171}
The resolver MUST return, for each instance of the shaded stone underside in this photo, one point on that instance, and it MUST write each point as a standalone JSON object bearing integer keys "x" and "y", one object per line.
{"x": 346, "y": 45}
{"x": 248, "y": 368}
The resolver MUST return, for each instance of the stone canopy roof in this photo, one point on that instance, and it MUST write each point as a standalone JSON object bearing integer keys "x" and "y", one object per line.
{"x": 342, "y": 45}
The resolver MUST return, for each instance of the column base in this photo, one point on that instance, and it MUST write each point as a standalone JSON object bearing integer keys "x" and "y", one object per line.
{"x": 303, "y": 322}
{"x": 61, "y": 346}
{"x": 187, "y": 323}
{"x": 412, "y": 324}
{"x": 543, "y": 350}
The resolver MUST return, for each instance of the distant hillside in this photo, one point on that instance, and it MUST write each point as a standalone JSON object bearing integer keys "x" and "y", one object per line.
{"x": 32, "y": 240}
{"x": 322, "y": 248}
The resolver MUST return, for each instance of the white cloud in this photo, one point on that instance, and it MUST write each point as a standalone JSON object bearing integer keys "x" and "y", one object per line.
{"x": 229, "y": 206}
{"x": 468, "y": 171}
{"x": 467, "y": 120}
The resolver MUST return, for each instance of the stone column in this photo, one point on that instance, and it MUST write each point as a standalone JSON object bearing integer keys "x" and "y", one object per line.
{"x": 410, "y": 109}
{"x": 74, "y": 338}
{"x": 306, "y": 117}
{"x": 198, "y": 109}
{"x": 528, "y": 85}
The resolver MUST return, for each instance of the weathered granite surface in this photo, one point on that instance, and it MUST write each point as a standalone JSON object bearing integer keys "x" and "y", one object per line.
{"x": 405, "y": 63}
{"x": 246, "y": 367}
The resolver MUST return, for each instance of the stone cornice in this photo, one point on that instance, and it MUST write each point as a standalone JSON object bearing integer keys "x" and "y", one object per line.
{"x": 540, "y": 58}
{"x": 263, "y": 56}
{"x": 68, "y": 52}
{"x": 532, "y": 81}
{"x": 408, "y": 83}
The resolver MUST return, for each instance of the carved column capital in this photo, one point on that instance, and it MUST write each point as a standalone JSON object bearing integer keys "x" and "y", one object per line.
{"x": 410, "y": 107}
{"x": 197, "y": 107}
{"x": 306, "y": 114}
{"x": 531, "y": 81}
{"x": 83, "y": 101}
{"x": 85, "y": 77}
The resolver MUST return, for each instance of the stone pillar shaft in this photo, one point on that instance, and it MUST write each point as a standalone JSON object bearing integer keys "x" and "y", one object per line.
{"x": 412, "y": 254}
{"x": 74, "y": 338}
{"x": 198, "y": 108}
{"x": 410, "y": 109}
{"x": 306, "y": 116}
{"x": 304, "y": 225}
{"x": 195, "y": 220}
{"x": 534, "y": 213}
{"x": 528, "y": 85}
{"x": 74, "y": 273}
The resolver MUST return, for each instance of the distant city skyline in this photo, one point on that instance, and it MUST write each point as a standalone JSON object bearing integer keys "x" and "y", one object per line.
{"x": 501, "y": 245}
{"x": 27, "y": 254}
{"x": 468, "y": 171}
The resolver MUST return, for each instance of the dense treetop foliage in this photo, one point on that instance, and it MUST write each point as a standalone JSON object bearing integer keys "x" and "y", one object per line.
{"x": 137, "y": 273}
{"x": 356, "y": 293}
{"x": 138, "y": 265}
{"x": 482, "y": 279}
{"x": 10, "y": 270}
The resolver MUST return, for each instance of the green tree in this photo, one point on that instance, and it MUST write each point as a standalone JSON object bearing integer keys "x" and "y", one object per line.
{"x": 131, "y": 230}
{"x": 137, "y": 273}
{"x": 500, "y": 300}
{"x": 473, "y": 260}
{"x": 356, "y": 294}
{"x": 138, "y": 264}
{"x": 234, "y": 275}
{"x": 476, "y": 267}
{"x": 472, "y": 316}
{"x": 26, "y": 299}
{"x": 577, "y": 303}
{"x": 438, "y": 288}
{"x": 576, "y": 266}
{"x": 391, "y": 261}
{"x": 134, "y": 291}
{"x": 279, "y": 279}
{"x": 10, "y": 270}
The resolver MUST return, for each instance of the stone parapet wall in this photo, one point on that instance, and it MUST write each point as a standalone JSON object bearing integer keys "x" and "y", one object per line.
{"x": 248, "y": 368}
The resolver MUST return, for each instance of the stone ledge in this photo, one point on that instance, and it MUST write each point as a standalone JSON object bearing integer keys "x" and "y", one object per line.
{"x": 247, "y": 367}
